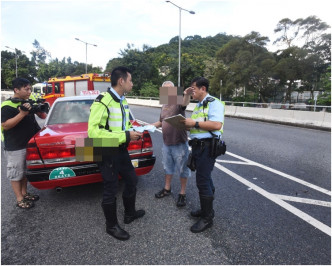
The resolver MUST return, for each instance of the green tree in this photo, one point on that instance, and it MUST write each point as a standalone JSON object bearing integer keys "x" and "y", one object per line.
{"x": 288, "y": 31}
{"x": 149, "y": 90}
{"x": 308, "y": 62}
{"x": 25, "y": 68}
{"x": 245, "y": 66}
{"x": 39, "y": 53}
{"x": 140, "y": 63}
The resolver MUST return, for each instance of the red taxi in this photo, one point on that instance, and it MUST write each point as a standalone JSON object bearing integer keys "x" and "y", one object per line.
{"x": 51, "y": 159}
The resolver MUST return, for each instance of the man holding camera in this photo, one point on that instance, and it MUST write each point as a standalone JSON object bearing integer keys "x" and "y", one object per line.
{"x": 18, "y": 126}
{"x": 205, "y": 125}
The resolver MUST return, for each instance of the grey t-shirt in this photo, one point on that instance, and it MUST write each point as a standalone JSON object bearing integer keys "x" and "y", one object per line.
{"x": 172, "y": 135}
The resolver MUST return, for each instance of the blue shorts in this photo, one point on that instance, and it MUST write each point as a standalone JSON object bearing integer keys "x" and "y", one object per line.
{"x": 175, "y": 159}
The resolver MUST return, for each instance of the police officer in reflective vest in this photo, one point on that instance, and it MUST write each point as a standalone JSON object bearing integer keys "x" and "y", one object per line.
{"x": 205, "y": 123}
{"x": 109, "y": 118}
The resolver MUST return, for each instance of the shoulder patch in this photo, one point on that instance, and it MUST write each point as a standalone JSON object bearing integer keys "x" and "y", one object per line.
{"x": 207, "y": 101}
{"x": 98, "y": 99}
{"x": 210, "y": 99}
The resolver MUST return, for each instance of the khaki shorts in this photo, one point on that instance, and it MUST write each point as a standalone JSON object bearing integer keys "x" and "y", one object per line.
{"x": 16, "y": 164}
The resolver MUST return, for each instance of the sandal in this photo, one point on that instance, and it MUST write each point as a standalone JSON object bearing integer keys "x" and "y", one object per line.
{"x": 25, "y": 204}
{"x": 31, "y": 197}
{"x": 162, "y": 193}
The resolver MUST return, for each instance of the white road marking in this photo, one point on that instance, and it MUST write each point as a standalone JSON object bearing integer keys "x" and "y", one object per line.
{"x": 278, "y": 199}
{"x": 307, "y": 218}
{"x": 304, "y": 200}
{"x": 233, "y": 162}
{"x": 295, "y": 179}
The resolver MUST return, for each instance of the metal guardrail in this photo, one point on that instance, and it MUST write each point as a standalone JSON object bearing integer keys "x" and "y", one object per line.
{"x": 283, "y": 106}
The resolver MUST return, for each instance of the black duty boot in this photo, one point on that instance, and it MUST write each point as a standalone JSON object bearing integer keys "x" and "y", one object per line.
{"x": 206, "y": 219}
{"x": 130, "y": 213}
{"x": 112, "y": 226}
{"x": 198, "y": 213}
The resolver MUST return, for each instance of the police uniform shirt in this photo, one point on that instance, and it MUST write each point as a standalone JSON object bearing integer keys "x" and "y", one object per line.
{"x": 215, "y": 113}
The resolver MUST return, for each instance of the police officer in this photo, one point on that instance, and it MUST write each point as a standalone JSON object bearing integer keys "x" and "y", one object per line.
{"x": 109, "y": 118}
{"x": 205, "y": 123}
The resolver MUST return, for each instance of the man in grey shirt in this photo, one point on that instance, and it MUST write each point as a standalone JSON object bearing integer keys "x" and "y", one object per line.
{"x": 175, "y": 147}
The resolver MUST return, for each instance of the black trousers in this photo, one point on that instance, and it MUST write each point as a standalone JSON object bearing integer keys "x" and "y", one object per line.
{"x": 204, "y": 167}
{"x": 110, "y": 167}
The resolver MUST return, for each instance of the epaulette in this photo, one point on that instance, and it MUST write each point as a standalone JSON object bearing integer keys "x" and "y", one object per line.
{"x": 207, "y": 100}
{"x": 210, "y": 99}
{"x": 98, "y": 99}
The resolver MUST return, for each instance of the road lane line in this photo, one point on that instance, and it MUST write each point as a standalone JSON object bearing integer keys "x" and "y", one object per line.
{"x": 293, "y": 178}
{"x": 249, "y": 162}
{"x": 304, "y": 200}
{"x": 302, "y": 215}
{"x": 233, "y": 162}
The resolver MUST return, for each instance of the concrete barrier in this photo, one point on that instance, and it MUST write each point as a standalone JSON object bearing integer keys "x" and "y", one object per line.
{"x": 6, "y": 94}
{"x": 316, "y": 120}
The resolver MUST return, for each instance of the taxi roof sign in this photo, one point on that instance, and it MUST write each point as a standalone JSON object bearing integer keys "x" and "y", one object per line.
{"x": 90, "y": 92}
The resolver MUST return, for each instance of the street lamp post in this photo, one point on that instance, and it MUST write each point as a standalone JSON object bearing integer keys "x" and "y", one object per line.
{"x": 15, "y": 58}
{"x": 191, "y": 12}
{"x": 220, "y": 89}
{"x": 86, "y": 53}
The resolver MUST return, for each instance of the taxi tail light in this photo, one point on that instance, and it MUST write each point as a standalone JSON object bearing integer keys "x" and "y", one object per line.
{"x": 143, "y": 145}
{"x": 134, "y": 146}
{"x": 33, "y": 156}
{"x": 58, "y": 154}
{"x": 147, "y": 143}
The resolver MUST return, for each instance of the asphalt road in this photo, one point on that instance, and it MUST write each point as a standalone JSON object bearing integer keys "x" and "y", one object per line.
{"x": 272, "y": 206}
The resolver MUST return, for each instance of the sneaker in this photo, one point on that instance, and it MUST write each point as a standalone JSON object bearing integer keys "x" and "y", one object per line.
{"x": 163, "y": 193}
{"x": 181, "y": 200}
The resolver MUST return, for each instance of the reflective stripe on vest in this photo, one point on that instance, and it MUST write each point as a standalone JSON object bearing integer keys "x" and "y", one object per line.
{"x": 200, "y": 114}
{"x": 34, "y": 96}
{"x": 115, "y": 113}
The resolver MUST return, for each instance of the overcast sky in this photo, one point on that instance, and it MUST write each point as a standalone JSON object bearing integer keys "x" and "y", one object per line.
{"x": 112, "y": 24}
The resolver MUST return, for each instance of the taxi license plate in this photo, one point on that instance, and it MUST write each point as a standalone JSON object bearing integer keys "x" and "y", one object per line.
{"x": 61, "y": 172}
{"x": 135, "y": 163}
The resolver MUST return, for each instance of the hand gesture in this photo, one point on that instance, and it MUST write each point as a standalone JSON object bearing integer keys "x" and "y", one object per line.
{"x": 134, "y": 135}
{"x": 25, "y": 111}
{"x": 188, "y": 91}
{"x": 189, "y": 123}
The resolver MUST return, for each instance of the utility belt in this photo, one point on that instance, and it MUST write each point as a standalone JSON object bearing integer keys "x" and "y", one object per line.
{"x": 217, "y": 147}
{"x": 200, "y": 142}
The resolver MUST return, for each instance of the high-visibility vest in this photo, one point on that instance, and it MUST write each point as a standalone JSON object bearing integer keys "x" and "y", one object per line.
{"x": 8, "y": 102}
{"x": 35, "y": 95}
{"x": 106, "y": 118}
{"x": 200, "y": 114}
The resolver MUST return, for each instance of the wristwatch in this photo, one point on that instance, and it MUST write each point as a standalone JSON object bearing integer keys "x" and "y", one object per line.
{"x": 197, "y": 125}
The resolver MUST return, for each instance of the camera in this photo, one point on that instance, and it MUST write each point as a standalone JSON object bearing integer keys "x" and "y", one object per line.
{"x": 36, "y": 106}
